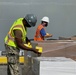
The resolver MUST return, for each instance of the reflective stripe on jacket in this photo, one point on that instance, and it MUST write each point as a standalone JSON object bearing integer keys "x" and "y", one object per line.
{"x": 10, "y": 38}
{"x": 38, "y": 36}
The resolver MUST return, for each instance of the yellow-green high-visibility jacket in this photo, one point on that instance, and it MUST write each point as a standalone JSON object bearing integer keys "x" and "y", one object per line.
{"x": 17, "y": 25}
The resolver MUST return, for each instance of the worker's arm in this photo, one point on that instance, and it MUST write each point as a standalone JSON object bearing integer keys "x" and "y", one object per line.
{"x": 27, "y": 40}
{"x": 19, "y": 42}
{"x": 44, "y": 34}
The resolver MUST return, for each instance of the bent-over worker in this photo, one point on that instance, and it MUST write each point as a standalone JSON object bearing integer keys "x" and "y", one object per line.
{"x": 15, "y": 39}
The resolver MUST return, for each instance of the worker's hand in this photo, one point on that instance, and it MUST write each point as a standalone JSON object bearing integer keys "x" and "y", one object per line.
{"x": 49, "y": 34}
{"x": 37, "y": 51}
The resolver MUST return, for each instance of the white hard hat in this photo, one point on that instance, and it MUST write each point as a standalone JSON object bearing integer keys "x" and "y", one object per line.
{"x": 46, "y": 19}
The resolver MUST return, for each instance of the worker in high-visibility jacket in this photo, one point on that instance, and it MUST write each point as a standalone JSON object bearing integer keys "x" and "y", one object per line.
{"x": 41, "y": 34}
{"x": 15, "y": 39}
